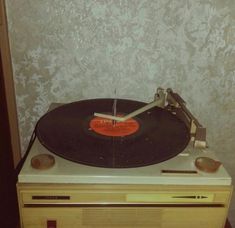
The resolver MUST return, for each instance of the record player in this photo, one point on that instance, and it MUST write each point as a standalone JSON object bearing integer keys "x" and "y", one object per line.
{"x": 122, "y": 163}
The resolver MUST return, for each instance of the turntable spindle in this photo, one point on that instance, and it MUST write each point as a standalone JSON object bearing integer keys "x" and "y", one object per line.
{"x": 114, "y": 110}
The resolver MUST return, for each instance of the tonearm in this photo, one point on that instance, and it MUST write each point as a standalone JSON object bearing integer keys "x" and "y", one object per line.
{"x": 175, "y": 104}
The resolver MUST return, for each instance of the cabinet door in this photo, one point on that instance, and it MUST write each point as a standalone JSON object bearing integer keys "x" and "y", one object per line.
{"x": 124, "y": 217}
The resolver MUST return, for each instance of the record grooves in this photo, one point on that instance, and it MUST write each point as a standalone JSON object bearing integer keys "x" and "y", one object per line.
{"x": 72, "y": 132}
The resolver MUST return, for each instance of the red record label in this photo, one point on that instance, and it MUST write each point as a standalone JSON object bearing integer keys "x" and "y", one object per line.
{"x": 108, "y": 127}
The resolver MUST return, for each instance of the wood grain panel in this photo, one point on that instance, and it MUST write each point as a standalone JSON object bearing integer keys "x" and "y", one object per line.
{"x": 9, "y": 85}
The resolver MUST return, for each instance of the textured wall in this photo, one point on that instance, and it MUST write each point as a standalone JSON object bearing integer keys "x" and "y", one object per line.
{"x": 69, "y": 50}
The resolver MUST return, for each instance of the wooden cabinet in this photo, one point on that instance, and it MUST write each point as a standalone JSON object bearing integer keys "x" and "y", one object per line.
{"x": 7, "y": 86}
{"x": 9, "y": 137}
{"x": 126, "y": 206}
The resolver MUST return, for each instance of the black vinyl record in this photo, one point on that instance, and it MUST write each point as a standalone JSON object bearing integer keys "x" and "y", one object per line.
{"x": 74, "y": 133}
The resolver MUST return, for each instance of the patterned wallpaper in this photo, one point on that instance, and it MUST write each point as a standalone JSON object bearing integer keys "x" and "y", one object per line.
{"x": 64, "y": 51}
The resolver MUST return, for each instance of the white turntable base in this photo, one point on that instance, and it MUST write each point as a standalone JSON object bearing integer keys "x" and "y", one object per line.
{"x": 65, "y": 171}
{"x": 75, "y": 195}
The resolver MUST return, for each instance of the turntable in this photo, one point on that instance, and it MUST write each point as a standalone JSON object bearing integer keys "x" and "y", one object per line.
{"x": 122, "y": 163}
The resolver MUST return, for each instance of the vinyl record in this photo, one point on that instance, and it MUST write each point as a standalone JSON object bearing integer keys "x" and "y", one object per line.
{"x": 74, "y": 133}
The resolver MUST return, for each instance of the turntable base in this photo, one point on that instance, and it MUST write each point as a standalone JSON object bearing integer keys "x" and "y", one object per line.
{"x": 138, "y": 175}
{"x": 126, "y": 206}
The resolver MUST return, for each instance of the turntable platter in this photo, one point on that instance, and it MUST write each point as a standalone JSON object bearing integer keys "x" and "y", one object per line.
{"x": 74, "y": 133}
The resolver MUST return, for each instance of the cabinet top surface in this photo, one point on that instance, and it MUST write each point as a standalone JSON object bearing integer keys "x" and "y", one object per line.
{"x": 179, "y": 170}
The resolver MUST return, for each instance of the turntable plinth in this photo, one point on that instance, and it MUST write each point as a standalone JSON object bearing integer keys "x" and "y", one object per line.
{"x": 138, "y": 173}
{"x": 84, "y": 205}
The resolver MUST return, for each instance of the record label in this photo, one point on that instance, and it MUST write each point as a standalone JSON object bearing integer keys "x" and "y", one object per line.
{"x": 112, "y": 128}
